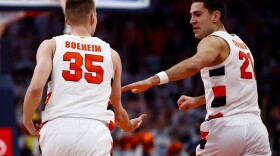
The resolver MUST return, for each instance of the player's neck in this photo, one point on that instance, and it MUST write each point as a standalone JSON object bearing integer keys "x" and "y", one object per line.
{"x": 80, "y": 31}
{"x": 219, "y": 27}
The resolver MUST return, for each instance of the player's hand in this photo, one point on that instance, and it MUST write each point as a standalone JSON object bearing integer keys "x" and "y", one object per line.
{"x": 186, "y": 102}
{"x": 137, "y": 87}
{"x": 32, "y": 129}
{"x": 136, "y": 122}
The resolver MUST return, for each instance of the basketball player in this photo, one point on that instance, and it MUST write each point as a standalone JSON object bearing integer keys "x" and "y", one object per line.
{"x": 233, "y": 125}
{"x": 85, "y": 74}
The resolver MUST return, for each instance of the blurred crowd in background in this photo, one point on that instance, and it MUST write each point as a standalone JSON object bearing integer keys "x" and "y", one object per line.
{"x": 149, "y": 42}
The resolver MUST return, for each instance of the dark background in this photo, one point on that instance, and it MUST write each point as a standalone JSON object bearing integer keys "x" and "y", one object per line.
{"x": 150, "y": 41}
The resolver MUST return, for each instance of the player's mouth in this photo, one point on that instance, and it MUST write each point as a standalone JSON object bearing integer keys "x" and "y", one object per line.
{"x": 195, "y": 29}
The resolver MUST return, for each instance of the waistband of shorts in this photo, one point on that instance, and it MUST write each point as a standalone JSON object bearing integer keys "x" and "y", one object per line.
{"x": 109, "y": 125}
{"x": 239, "y": 115}
{"x": 71, "y": 118}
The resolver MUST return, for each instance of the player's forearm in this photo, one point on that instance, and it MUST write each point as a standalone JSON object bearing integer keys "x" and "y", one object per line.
{"x": 154, "y": 80}
{"x": 200, "y": 100}
{"x": 182, "y": 70}
{"x": 122, "y": 119}
{"x": 31, "y": 102}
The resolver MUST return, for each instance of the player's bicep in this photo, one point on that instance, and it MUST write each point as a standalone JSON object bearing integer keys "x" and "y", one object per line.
{"x": 207, "y": 51}
{"x": 43, "y": 64}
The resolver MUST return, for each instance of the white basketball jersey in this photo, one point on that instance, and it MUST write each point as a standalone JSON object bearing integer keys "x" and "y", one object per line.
{"x": 231, "y": 87}
{"x": 80, "y": 84}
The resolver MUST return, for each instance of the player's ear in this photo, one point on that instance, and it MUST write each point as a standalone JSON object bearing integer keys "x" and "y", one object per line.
{"x": 67, "y": 21}
{"x": 93, "y": 18}
{"x": 216, "y": 15}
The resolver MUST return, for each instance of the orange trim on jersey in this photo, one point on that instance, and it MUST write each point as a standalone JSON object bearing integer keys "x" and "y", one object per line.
{"x": 219, "y": 91}
{"x": 219, "y": 115}
{"x": 48, "y": 98}
{"x": 203, "y": 135}
{"x": 109, "y": 103}
{"x": 111, "y": 125}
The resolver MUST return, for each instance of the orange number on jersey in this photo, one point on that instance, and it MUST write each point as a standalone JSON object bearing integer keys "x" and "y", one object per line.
{"x": 245, "y": 74}
{"x": 91, "y": 68}
{"x": 76, "y": 67}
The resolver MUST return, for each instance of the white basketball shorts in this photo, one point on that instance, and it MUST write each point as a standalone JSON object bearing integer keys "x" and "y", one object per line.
{"x": 238, "y": 135}
{"x": 75, "y": 137}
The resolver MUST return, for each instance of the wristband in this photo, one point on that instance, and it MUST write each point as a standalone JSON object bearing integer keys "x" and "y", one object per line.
{"x": 163, "y": 78}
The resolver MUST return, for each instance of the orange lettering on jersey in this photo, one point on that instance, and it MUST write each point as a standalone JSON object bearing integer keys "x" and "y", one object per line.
{"x": 67, "y": 44}
{"x": 78, "y": 46}
{"x": 84, "y": 47}
{"x": 240, "y": 45}
{"x": 73, "y": 45}
{"x": 97, "y": 48}
{"x": 88, "y": 47}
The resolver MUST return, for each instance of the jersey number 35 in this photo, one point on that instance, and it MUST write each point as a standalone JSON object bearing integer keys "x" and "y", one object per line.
{"x": 93, "y": 74}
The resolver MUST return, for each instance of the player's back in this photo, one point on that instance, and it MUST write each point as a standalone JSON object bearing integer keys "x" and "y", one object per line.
{"x": 81, "y": 78}
{"x": 230, "y": 87}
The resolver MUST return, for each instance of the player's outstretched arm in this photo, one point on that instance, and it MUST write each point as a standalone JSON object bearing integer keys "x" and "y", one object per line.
{"x": 121, "y": 117}
{"x": 208, "y": 50}
{"x": 186, "y": 102}
{"x": 141, "y": 86}
{"x": 40, "y": 76}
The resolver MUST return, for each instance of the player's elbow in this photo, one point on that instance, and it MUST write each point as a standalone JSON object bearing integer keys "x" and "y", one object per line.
{"x": 35, "y": 90}
{"x": 196, "y": 67}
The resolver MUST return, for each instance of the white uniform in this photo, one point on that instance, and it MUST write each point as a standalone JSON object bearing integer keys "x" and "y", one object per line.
{"x": 233, "y": 125}
{"x": 76, "y": 111}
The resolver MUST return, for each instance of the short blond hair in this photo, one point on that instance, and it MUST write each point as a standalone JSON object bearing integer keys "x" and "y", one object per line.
{"x": 77, "y": 11}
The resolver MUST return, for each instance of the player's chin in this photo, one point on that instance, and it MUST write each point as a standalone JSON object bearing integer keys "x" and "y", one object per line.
{"x": 198, "y": 36}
